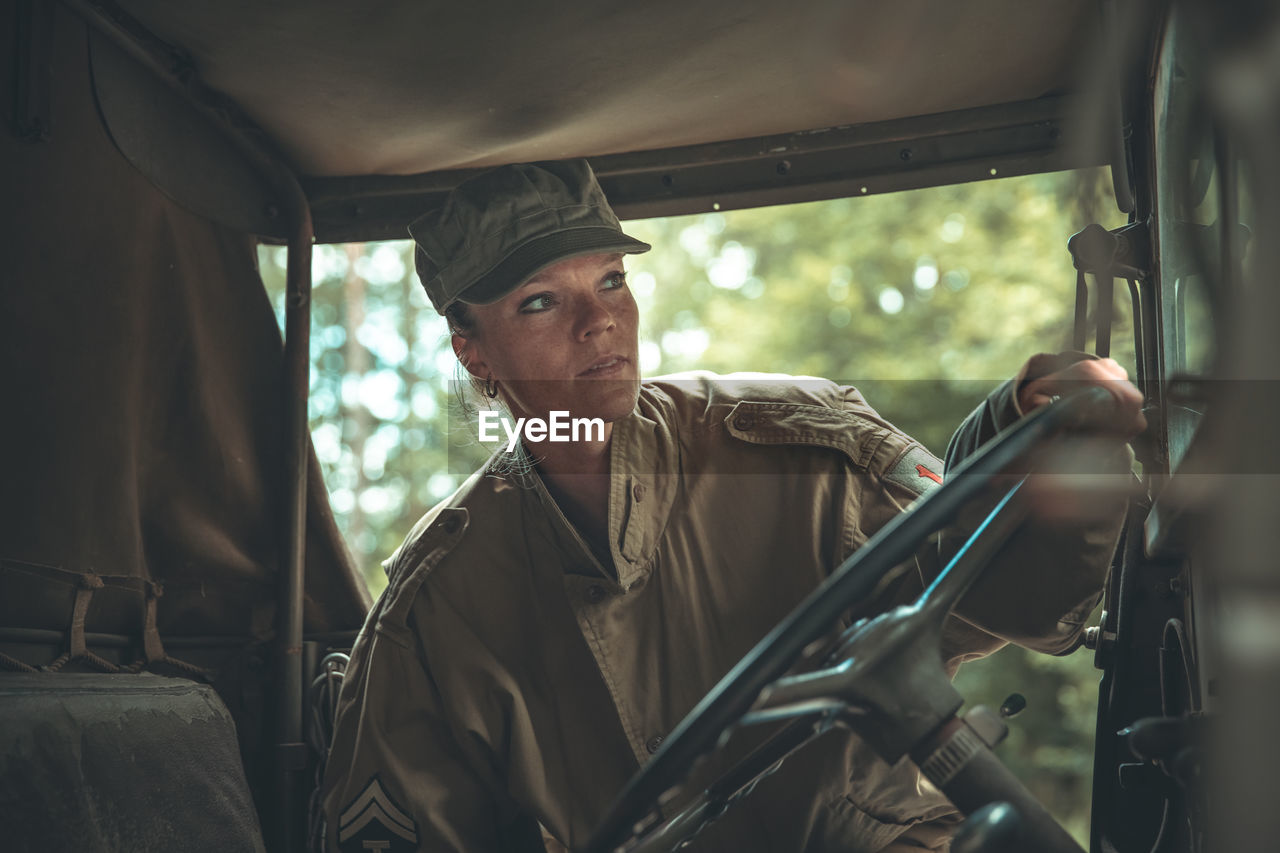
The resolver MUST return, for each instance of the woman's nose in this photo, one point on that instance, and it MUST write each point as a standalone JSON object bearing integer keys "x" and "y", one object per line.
{"x": 594, "y": 317}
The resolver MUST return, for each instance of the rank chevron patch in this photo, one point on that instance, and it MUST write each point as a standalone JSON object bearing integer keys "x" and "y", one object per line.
{"x": 374, "y": 821}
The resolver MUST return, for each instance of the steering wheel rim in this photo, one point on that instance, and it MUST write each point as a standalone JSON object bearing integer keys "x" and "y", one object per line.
{"x": 733, "y": 696}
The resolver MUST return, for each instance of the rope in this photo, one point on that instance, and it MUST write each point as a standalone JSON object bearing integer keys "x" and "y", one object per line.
{"x": 15, "y": 665}
{"x": 97, "y": 662}
{"x": 85, "y": 585}
{"x": 183, "y": 665}
{"x": 142, "y": 664}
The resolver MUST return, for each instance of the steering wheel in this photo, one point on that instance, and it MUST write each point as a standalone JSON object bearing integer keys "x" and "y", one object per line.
{"x": 890, "y": 662}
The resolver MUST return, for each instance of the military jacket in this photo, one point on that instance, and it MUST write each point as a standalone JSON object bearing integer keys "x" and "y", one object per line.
{"x": 508, "y": 683}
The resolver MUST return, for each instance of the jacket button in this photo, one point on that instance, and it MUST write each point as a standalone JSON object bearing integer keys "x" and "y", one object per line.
{"x": 637, "y": 492}
{"x": 744, "y": 421}
{"x": 653, "y": 743}
{"x": 595, "y": 594}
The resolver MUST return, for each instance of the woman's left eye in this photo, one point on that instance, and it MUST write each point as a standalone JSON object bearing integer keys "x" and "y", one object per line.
{"x": 617, "y": 279}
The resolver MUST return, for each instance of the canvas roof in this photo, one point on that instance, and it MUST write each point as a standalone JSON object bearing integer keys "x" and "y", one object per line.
{"x": 385, "y": 88}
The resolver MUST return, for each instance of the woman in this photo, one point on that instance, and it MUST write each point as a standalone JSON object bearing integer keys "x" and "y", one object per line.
{"x": 544, "y": 628}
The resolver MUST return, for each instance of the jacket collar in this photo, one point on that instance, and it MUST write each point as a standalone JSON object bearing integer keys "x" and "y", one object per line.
{"x": 644, "y": 464}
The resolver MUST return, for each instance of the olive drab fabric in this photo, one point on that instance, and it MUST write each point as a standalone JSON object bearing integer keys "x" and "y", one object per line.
{"x": 498, "y": 229}
{"x": 142, "y": 393}
{"x": 97, "y": 763}
{"x": 508, "y": 676}
{"x": 538, "y": 81}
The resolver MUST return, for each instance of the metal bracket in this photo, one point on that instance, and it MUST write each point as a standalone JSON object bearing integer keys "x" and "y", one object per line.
{"x": 1123, "y": 253}
{"x": 1107, "y": 255}
{"x": 853, "y": 160}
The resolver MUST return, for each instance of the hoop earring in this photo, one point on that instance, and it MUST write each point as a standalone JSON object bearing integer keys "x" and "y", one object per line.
{"x": 490, "y": 387}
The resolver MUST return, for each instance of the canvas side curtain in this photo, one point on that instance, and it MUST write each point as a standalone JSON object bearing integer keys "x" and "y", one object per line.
{"x": 141, "y": 392}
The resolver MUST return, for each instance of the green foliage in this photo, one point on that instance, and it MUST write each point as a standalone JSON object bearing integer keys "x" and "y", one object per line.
{"x": 925, "y": 300}
{"x": 1050, "y": 744}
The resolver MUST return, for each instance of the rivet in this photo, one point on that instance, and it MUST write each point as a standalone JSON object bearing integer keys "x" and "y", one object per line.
{"x": 784, "y": 166}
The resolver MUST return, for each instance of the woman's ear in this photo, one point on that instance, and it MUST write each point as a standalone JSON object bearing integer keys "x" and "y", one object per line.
{"x": 468, "y": 356}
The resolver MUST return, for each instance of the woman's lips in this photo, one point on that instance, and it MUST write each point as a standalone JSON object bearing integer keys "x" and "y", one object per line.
{"x": 608, "y": 366}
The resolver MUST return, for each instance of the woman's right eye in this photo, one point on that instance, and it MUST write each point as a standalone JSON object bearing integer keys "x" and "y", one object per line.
{"x": 537, "y": 302}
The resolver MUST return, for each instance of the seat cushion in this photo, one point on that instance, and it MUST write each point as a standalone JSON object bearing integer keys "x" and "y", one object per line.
{"x": 120, "y": 763}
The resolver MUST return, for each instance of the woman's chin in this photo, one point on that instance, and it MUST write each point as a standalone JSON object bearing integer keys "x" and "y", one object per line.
{"x": 607, "y": 399}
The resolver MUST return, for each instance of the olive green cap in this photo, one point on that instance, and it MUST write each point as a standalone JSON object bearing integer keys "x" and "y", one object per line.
{"x": 499, "y": 229}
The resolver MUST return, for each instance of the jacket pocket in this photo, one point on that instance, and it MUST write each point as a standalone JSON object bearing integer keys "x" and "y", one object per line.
{"x": 801, "y": 424}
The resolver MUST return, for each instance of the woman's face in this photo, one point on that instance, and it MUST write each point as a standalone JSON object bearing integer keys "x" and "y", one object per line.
{"x": 566, "y": 340}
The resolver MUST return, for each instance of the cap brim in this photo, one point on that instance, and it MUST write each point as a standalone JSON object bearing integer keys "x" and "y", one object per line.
{"x": 530, "y": 258}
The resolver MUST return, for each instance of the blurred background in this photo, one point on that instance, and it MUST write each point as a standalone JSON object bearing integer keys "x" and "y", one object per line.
{"x": 924, "y": 300}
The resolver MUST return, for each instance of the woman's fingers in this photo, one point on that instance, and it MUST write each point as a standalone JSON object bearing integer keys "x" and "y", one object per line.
{"x": 1102, "y": 372}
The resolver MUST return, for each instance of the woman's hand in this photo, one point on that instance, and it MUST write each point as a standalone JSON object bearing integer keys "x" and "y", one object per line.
{"x": 1078, "y": 491}
{"x": 1103, "y": 372}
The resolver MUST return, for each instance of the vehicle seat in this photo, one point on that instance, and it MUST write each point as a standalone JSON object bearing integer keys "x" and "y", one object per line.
{"x": 92, "y": 763}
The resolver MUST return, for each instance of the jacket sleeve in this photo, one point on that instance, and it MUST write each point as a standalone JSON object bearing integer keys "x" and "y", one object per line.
{"x": 1046, "y": 580}
{"x": 397, "y": 775}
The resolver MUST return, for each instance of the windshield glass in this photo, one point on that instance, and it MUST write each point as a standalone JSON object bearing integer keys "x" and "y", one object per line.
{"x": 1205, "y": 231}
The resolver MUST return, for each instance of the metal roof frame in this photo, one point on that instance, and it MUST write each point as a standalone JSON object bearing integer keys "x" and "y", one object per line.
{"x": 1003, "y": 140}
